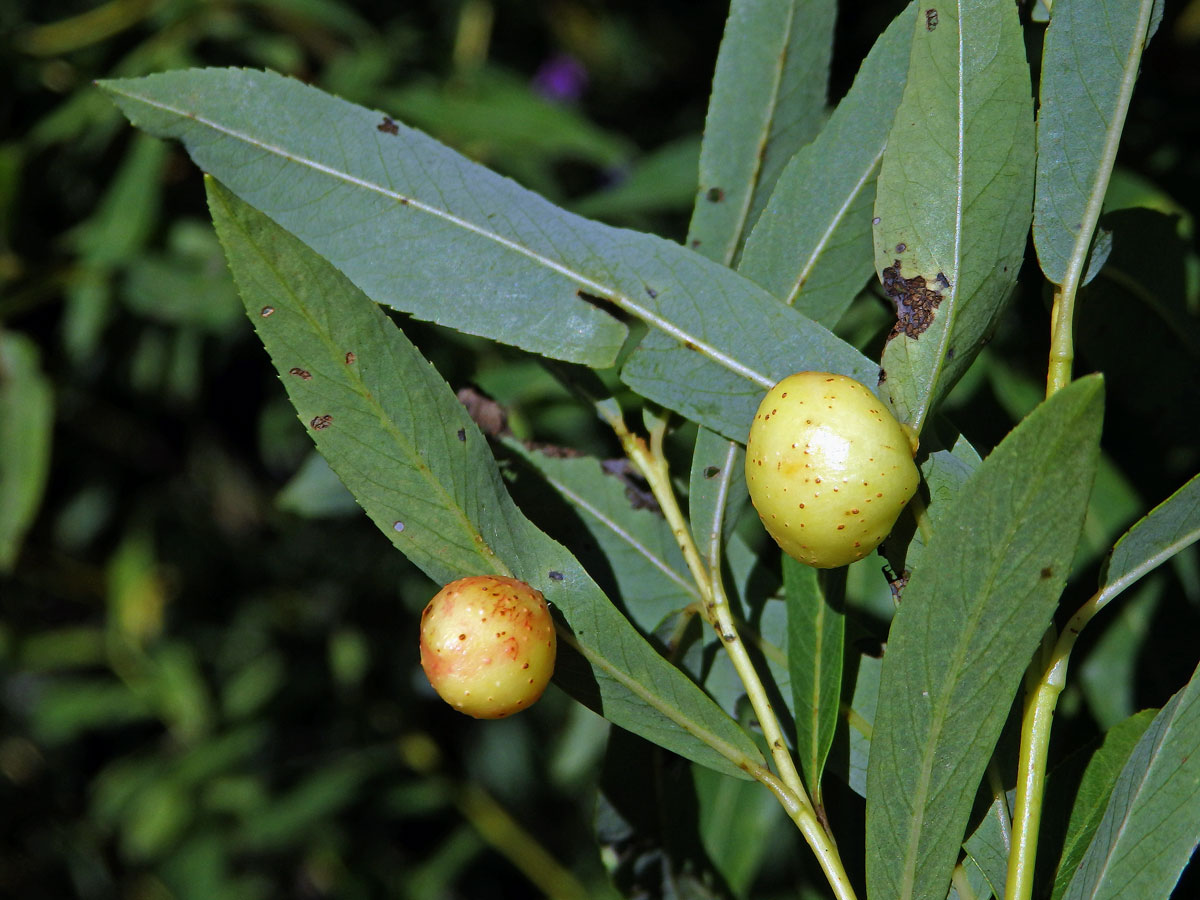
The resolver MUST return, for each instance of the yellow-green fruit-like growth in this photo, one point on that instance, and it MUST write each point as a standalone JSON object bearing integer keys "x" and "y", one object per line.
{"x": 488, "y": 645}
{"x": 828, "y": 467}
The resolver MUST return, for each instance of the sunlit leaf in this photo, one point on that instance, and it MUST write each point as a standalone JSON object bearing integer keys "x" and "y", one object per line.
{"x": 767, "y": 101}
{"x": 971, "y": 617}
{"x": 954, "y": 196}
{"x": 1090, "y": 61}
{"x": 419, "y": 227}
{"x": 811, "y": 247}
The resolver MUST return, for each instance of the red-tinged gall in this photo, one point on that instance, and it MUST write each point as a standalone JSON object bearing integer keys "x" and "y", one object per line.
{"x": 488, "y": 645}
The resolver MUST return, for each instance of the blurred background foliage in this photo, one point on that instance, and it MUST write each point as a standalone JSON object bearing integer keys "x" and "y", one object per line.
{"x": 208, "y": 659}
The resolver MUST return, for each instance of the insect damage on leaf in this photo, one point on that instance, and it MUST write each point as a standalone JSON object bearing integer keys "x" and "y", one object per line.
{"x": 915, "y": 300}
{"x": 931, "y": 19}
{"x": 388, "y": 126}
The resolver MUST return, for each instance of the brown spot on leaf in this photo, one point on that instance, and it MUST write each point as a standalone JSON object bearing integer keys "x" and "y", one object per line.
{"x": 915, "y": 301}
{"x": 300, "y": 373}
{"x": 931, "y": 19}
{"x": 351, "y": 359}
{"x": 266, "y": 311}
{"x": 388, "y": 126}
{"x": 714, "y": 195}
{"x": 320, "y": 423}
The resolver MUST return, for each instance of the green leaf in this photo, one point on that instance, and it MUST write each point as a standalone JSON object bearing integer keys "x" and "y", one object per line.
{"x": 1167, "y": 529}
{"x": 117, "y": 232}
{"x": 736, "y": 821}
{"x": 954, "y": 195}
{"x": 717, "y": 493}
{"x": 1094, "y": 788}
{"x": 816, "y": 643}
{"x": 989, "y": 845}
{"x": 972, "y": 615}
{"x": 767, "y": 102}
{"x": 860, "y": 695}
{"x": 1152, "y": 822}
{"x": 410, "y": 222}
{"x": 1107, "y": 676}
{"x": 1090, "y": 61}
{"x": 637, "y": 544}
{"x": 811, "y": 247}
{"x": 417, "y": 226}
{"x": 664, "y": 180}
{"x": 26, "y": 422}
{"x": 395, "y": 434}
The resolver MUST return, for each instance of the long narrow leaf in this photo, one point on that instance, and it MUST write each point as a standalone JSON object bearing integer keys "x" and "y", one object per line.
{"x": 398, "y": 438}
{"x": 816, "y": 643}
{"x": 1152, "y": 823}
{"x": 767, "y": 101}
{"x": 1164, "y": 531}
{"x": 1092, "y": 793}
{"x": 811, "y": 247}
{"x": 26, "y": 423}
{"x": 419, "y": 227}
{"x": 717, "y": 492}
{"x": 972, "y": 615}
{"x": 1090, "y": 62}
{"x": 954, "y": 196}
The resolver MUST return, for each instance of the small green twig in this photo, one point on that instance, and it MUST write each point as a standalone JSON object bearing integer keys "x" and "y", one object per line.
{"x": 787, "y": 786}
{"x": 1062, "y": 344}
{"x": 1037, "y": 719}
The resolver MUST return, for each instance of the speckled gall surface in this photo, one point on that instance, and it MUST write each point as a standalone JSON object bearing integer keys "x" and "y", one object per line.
{"x": 828, "y": 468}
{"x": 488, "y": 645}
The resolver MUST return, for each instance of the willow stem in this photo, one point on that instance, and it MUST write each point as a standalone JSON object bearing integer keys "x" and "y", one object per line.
{"x": 1038, "y": 717}
{"x": 652, "y": 464}
{"x": 1062, "y": 342}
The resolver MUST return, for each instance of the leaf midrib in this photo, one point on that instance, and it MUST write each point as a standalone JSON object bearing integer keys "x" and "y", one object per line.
{"x": 960, "y": 187}
{"x": 590, "y": 286}
{"x": 922, "y": 790}
{"x": 827, "y": 235}
{"x": 1122, "y": 827}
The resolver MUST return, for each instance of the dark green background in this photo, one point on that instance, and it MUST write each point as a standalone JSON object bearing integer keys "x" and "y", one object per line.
{"x": 210, "y": 689}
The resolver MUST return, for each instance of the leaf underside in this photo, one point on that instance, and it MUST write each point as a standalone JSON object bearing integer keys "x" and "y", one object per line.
{"x": 973, "y": 613}
{"x": 407, "y": 449}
